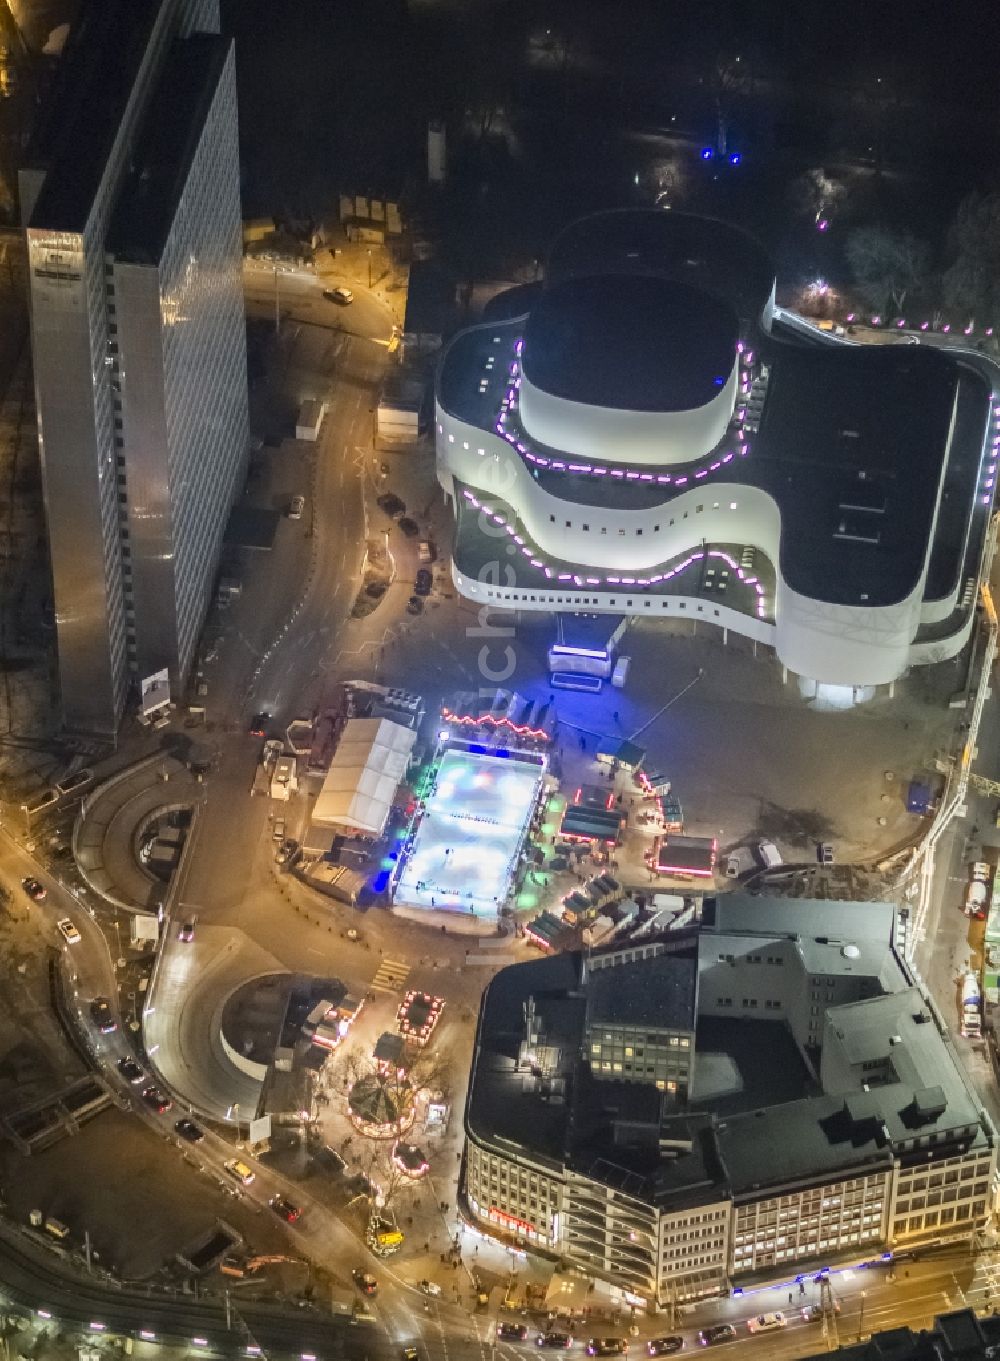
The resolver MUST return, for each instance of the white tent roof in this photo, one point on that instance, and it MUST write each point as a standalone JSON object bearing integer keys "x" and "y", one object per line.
{"x": 370, "y": 760}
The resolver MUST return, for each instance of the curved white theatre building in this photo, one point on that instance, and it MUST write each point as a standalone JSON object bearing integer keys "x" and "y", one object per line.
{"x": 648, "y": 437}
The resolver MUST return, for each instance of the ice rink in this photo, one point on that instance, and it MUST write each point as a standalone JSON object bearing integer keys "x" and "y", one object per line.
{"x": 464, "y": 854}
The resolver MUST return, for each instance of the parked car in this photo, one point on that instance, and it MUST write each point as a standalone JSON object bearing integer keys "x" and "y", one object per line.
{"x": 343, "y": 296}
{"x": 159, "y": 1101}
{"x": 258, "y": 724}
{"x": 35, "y": 890}
{"x": 296, "y": 506}
{"x": 131, "y": 1071}
{"x": 240, "y": 1172}
{"x": 188, "y": 1130}
{"x": 512, "y": 1332}
{"x": 430, "y": 1287}
{"x": 766, "y": 1323}
{"x": 717, "y": 1334}
{"x": 426, "y": 552}
{"x": 552, "y": 1339}
{"x": 423, "y": 582}
{"x": 186, "y": 932}
{"x": 102, "y": 1015}
{"x": 365, "y": 1281}
{"x": 68, "y": 931}
{"x": 284, "y": 1209}
{"x": 664, "y": 1346}
{"x": 414, "y": 605}
{"x": 278, "y": 830}
{"x": 607, "y": 1346}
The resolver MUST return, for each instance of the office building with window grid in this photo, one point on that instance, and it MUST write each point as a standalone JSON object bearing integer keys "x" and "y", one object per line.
{"x": 776, "y": 1144}
{"x": 131, "y": 205}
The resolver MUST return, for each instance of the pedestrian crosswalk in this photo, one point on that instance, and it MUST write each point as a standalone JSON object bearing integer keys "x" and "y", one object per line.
{"x": 391, "y": 975}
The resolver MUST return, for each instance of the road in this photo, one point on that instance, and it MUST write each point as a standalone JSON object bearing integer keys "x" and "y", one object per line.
{"x": 242, "y": 907}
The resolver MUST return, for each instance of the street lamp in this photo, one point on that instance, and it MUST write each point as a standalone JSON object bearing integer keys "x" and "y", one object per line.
{"x": 369, "y": 266}
{"x": 861, "y": 1315}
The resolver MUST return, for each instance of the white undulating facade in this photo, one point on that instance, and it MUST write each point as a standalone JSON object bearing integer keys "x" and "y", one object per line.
{"x": 562, "y": 504}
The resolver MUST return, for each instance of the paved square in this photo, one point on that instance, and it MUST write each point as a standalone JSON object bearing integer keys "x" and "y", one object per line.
{"x": 467, "y": 843}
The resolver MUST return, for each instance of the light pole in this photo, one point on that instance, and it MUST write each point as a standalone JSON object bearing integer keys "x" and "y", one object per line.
{"x": 369, "y": 267}
{"x": 277, "y": 309}
{"x": 861, "y": 1315}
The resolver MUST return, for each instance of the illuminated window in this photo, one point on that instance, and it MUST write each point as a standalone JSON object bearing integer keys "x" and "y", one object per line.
{"x": 628, "y": 1051}
{"x": 595, "y": 1048}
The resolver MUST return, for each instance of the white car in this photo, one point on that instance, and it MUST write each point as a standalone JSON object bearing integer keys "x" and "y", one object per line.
{"x": 296, "y": 508}
{"x": 766, "y": 1323}
{"x": 68, "y": 931}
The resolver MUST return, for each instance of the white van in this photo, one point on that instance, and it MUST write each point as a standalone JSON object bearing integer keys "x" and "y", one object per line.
{"x": 739, "y": 862}
{"x": 770, "y": 856}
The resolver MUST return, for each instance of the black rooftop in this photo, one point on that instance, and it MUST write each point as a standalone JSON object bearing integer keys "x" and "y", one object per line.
{"x": 631, "y": 343}
{"x": 852, "y": 446}
{"x": 172, "y": 129}
{"x": 658, "y": 992}
{"x": 97, "y": 73}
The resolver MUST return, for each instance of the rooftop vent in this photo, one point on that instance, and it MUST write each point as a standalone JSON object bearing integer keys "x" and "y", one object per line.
{"x": 851, "y": 952}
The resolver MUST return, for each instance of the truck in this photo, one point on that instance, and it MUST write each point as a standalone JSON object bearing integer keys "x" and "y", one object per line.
{"x": 977, "y": 892}
{"x": 971, "y": 1007}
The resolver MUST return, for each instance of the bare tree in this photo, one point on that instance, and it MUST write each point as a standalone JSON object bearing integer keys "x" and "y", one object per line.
{"x": 886, "y": 265}
{"x": 816, "y": 193}
{"x": 972, "y": 280}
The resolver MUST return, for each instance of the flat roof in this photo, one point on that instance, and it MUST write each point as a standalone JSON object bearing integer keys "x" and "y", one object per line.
{"x": 657, "y": 992}
{"x": 887, "y": 1076}
{"x": 172, "y": 128}
{"x": 852, "y": 445}
{"x": 759, "y": 914}
{"x": 631, "y": 343}
{"x": 97, "y": 72}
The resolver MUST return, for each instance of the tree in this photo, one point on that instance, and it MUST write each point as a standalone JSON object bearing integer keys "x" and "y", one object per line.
{"x": 886, "y": 265}
{"x": 816, "y": 193}
{"x": 972, "y": 280}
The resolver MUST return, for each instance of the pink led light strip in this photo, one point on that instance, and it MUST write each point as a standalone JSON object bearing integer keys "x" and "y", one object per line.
{"x": 520, "y": 443}
{"x": 532, "y": 554}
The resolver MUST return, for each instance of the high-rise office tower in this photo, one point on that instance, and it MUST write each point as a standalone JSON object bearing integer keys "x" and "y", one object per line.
{"x": 131, "y": 205}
